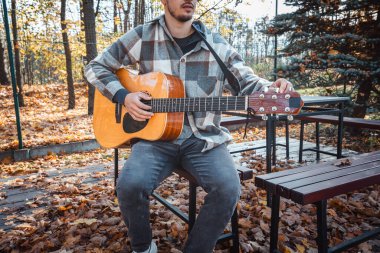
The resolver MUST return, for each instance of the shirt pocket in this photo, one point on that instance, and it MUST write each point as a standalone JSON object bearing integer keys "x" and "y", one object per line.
{"x": 207, "y": 86}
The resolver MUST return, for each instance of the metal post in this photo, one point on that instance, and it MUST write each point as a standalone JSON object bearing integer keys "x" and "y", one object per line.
{"x": 116, "y": 168}
{"x": 301, "y": 141}
{"x": 340, "y": 130}
{"x": 322, "y": 226}
{"x": 274, "y": 223}
{"x": 274, "y": 143}
{"x": 192, "y": 204}
{"x": 317, "y": 140}
{"x": 269, "y": 142}
{"x": 287, "y": 138}
{"x": 13, "y": 77}
{"x": 235, "y": 232}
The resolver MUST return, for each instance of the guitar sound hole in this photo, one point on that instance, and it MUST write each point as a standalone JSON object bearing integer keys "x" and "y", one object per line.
{"x": 131, "y": 126}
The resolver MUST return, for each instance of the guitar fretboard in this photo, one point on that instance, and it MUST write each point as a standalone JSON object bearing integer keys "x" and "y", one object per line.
{"x": 198, "y": 104}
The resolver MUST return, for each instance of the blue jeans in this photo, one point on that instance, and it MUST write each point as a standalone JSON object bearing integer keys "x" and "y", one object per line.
{"x": 151, "y": 162}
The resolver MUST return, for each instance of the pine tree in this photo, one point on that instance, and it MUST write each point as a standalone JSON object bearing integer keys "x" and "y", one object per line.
{"x": 337, "y": 36}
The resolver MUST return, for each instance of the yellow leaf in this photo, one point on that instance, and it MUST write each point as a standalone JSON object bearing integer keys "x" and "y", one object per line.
{"x": 300, "y": 248}
{"x": 64, "y": 208}
{"x": 85, "y": 221}
{"x": 333, "y": 52}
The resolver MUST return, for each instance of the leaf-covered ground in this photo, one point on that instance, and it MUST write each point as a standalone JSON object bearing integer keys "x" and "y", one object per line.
{"x": 79, "y": 213}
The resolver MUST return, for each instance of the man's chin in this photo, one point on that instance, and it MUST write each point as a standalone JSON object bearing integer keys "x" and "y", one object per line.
{"x": 184, "y": 18}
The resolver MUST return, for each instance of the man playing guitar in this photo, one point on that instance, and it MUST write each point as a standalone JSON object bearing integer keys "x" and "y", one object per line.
{"x": 169, "y": 44}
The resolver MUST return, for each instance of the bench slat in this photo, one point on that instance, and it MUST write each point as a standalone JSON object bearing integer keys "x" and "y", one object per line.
{"x": 327, "y": 189}
{"x": 285, "y": 188}
{"x": 265, "y": 181}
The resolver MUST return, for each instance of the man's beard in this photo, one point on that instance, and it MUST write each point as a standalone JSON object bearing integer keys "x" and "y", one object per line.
{"x": 181, "y": 18}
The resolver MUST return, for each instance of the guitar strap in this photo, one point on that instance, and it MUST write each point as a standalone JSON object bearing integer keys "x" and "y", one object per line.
{"x": 232, "y": 80}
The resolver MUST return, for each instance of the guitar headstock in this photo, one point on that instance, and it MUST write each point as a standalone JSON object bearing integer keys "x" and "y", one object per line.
{"x": 271, "y": 102}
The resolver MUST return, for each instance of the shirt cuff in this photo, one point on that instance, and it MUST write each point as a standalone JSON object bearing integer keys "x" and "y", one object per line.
{"x": 119, "y": 96}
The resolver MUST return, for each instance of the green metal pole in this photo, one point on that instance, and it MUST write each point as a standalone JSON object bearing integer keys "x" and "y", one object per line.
{"x": 12, "y": 67}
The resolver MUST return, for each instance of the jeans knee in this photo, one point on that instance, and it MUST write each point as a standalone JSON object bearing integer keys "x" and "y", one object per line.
{"x": 229, "y": 192}
{"x": 131, "y": 190}
{"x": 232, "y": 189}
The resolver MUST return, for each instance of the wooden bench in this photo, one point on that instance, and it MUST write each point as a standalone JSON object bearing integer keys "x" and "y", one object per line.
{"x": 332, "y": 119}
{"x": 316, "y": 183}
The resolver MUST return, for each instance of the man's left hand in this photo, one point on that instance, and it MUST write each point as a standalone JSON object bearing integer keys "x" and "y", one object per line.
{"x": 283, "y": 85}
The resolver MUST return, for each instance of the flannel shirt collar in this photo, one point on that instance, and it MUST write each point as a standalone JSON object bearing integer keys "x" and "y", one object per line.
{"x": 161, "y": 20}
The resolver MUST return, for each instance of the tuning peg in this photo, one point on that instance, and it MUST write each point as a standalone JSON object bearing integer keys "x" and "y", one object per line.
{"x": 290, "y": 117}
{"x": 266, "y": 89}
{"x": 277, "y": 90}
{"x": 287, "y": 96}
{"x": 264, "y": 117}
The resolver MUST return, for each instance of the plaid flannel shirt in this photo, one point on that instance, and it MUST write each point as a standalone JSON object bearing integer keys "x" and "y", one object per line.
{"x": 154, "y": 49}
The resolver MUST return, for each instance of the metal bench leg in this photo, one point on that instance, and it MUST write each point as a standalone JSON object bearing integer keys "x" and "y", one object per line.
{"x": 274, "y": 223}
{"x": 317, "y": 140}
{"x": 192, "y": 204}
{"x": 235, "y": 232}
{"x": 274, "y": 141}
{"x": 301, "y": 141}
{"x": 340, "y": 131}
{"x": 322, "y": 226}
{"x": 116, "y": 168}
{"x": 287, "y": 138}
{"x": 268, "y": 148}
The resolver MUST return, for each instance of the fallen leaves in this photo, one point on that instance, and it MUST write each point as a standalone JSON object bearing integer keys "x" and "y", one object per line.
{"x": 343, "y": 162}
{"x": 45, "y": 120}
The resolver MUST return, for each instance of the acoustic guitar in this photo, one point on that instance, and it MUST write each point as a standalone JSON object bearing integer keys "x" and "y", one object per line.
{"x": 114, "y": 127}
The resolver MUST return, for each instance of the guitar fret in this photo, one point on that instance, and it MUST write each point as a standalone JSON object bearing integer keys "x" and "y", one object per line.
{"x": 235, "y": 102}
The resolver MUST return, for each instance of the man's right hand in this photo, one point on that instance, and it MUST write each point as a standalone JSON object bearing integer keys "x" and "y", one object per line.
{"x": 137, "y": 109}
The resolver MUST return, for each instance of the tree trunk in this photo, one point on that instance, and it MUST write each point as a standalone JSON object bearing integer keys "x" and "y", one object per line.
{"x": 126, "y": 15}
{"x": 137, "y": 14}
{"x": 114, "y": 16}
{"x": 66, "y": 45}
{"x": 3, "y": 74}
{"x": 142, "y": 12}
{"x": 17, "y": 55}
{"x": 362, "y": 97}
{"x": 91, "y": 51}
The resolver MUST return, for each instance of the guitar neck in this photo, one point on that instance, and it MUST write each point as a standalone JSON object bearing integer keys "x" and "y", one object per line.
{"x": 198, "y": 104}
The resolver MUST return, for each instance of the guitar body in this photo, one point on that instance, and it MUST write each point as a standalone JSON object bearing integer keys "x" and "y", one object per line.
{"x": 162, "y": 126}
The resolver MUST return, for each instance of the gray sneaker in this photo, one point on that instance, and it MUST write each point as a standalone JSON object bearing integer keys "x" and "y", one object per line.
{"x": 152, "y": 249}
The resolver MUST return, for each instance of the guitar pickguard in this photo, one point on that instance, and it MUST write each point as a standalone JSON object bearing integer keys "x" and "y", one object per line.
{"x": 132, "y": 126}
